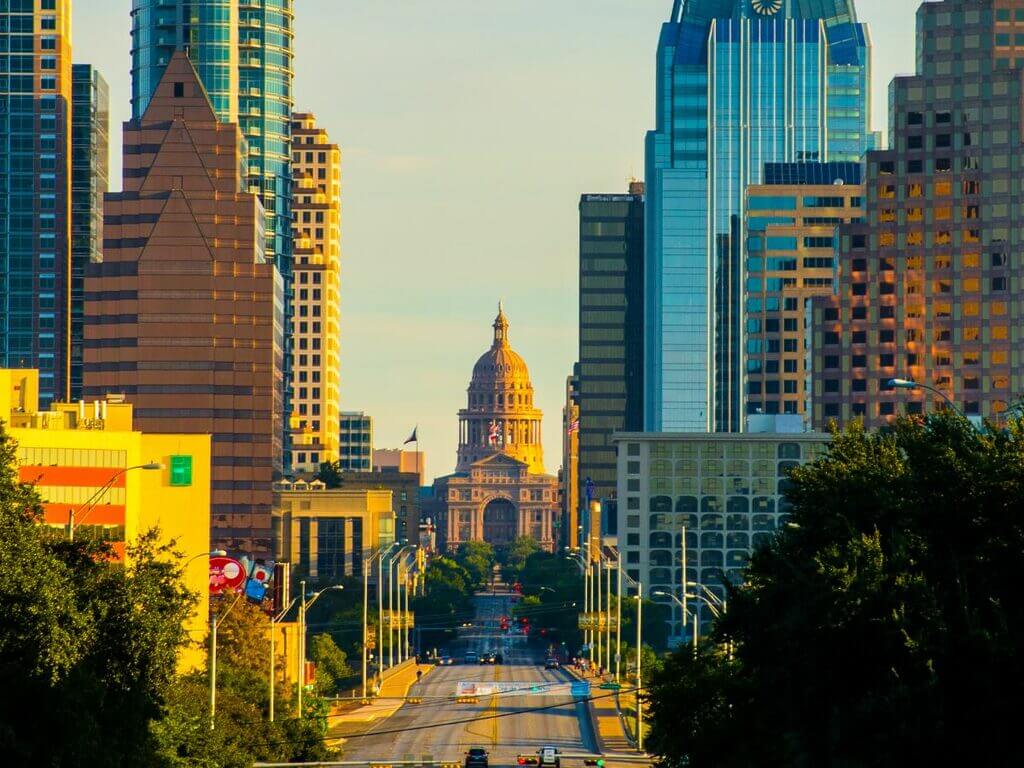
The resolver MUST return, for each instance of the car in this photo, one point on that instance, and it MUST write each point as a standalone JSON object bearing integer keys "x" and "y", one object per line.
{"x": 549, "y": 757}
{"x": 476, "y": 757}
{"x": 487, "y": 658}
{"x": 551, "y": 663}
{"x": 472, "y": 657}
{"x": 445, "y": 661}
{"x": 499, "y": 659}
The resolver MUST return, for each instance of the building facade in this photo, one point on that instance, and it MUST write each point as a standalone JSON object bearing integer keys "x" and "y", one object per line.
{"x": 327, "y": 534}
{"x": 405, "y": 495}
{"x": 499, "y": 490}
{"x": 316, "y": 300}
{"x": 930, "y": 284}
{"x": 569, "y": 475}
{"x": 35, "y": 186}
{"x": 355, "y": 445}
{"x": 400, "y": 460}
{"x": 726, "y": 490}
{"x": 89, "y": 457}
{"x": 184, "y": 314}
{"x": 740, "y": 83}
{"x": 243, "y": 53}
{"x": 791, "y": 224}
{"x": 611, "y": 335}
{"x": 90, "y": 175}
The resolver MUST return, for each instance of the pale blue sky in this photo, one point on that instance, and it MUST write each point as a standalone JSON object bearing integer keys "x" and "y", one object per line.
{"x": 469, "y": 129}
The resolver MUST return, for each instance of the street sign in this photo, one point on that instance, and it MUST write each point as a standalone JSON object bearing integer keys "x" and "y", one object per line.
{"x": 580, "y": 689}
{"x": 609, "y": 686}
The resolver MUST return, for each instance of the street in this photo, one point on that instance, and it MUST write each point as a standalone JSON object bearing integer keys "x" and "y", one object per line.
{"x": 441, "y": 729}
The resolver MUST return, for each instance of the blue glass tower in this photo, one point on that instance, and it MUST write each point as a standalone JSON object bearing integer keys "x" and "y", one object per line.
{"x": 740, "y": 83}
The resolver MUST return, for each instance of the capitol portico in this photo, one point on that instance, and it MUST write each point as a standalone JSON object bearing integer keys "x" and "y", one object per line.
{"x": 499, "y": 489}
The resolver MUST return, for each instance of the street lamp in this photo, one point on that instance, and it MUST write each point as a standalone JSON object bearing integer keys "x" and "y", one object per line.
{"x": 214, "y": 626}
{"x": 303, "y": 607}
{"x": 93, "y": 500}
{"x": 639, "y": 677}
{"x": 211, "y": 553}
{"x": 584, "y": 566}
{"x": 393, "y": 559}
{"x": 911, "y": 385}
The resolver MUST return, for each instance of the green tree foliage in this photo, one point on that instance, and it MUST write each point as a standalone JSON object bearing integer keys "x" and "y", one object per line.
{"x": 447, "y": 603}
{"x": 331, "y": 663}
{"x": 330, "y": 474}
{"x": 477, "y": 558}
{"x": 885, "y": 627}
{"x": 88, "y": 647}
{"x": 515, "y": 557}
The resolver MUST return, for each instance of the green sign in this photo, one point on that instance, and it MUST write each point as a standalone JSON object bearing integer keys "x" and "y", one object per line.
{"x": 181, "y": 470}
{"x": 609, "y": 686}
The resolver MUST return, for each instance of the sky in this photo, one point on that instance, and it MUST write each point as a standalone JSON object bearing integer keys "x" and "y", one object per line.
{"x": 468, "y": 129}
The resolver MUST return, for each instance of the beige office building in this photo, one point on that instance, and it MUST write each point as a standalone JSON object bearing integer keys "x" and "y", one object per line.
{"x": 316, "y": 229}
{"x": 327, "y": 534}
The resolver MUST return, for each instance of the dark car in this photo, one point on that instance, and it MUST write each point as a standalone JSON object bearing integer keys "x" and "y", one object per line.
{"x": 487, "y": 658}
{"x": 476, "y": 757}
{"x": 499, "y": 659}
{"x": 551, "y": 663}
{"x": 445, "y": 661}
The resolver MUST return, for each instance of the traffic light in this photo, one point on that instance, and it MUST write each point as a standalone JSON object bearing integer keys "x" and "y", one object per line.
{"x": 594, "y": 761}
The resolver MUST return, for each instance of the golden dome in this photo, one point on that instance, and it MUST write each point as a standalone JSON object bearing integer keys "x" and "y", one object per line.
{"x": 500, "y": 362}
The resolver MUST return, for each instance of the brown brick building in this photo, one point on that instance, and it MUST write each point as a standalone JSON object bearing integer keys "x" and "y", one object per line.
{"x": 930, "y": 284}
{"x": 183, "y": 316}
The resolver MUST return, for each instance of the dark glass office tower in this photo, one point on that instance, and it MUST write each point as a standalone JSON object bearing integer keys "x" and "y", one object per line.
{"x": 740, "y": 83}
{"x": 90, "y": 168}
{"x": 35, "y": 191}
{"x": 610, "y": 369}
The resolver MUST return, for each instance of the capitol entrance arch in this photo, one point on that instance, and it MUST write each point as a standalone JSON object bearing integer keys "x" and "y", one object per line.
{"x": 500, "y": 522}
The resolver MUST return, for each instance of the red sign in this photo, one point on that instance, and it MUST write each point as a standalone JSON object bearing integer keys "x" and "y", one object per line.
{"x": 226, "y": 575}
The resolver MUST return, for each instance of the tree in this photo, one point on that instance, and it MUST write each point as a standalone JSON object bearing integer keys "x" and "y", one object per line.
{"x": 447, "y": 600}
{"x": 516, "y": 556}
{"x": 87, "y": 641}
{"x": 331, "y": 664}
{"x": 330, "y": 474}
{"x": 477, "y": 557}
{"x": 884, "y": 627}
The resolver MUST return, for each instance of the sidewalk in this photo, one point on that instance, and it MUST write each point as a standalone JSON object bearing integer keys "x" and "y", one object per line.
{"x": 346, "y": 720}
{"x": 609, "y": 726}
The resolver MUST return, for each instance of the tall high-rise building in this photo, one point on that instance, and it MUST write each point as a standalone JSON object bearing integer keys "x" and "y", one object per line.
{"x": 791, "y": 224}
{"x": 930, "y": 283}
{"x": 183, "y": 317}
{"x": 35, "y": 191}
{"x": 609, "y": 380}
{"x": 740, "y": 83}
{"x": 569, "y": 475}
{"x": 242, "y": 50}
{"x": 316, "y": 365}
{"x": 90, "y": 173}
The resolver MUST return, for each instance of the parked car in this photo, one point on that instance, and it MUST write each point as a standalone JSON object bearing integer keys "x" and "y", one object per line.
{"x": 476, "y": 757}
{"x": 472, "y": 657}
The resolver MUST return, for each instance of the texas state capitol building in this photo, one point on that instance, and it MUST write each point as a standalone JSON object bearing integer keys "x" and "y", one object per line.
{"x": 499, "y": 489}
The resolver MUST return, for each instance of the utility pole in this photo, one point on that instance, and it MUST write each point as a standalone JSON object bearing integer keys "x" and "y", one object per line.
{"x": 639, "y": 676}
{"x": 366, "y": 596}
{"x": 618, "y": 612}
{"x": 213, "y": 668}
{"x": 302, "y": 647}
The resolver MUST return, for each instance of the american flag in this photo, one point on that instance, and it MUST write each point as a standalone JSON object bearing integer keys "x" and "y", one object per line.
{"x": 574, "y": 426}
{"x": 493, "y": 434}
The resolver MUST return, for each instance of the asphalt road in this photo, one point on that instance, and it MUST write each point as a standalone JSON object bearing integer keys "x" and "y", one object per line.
{"x": 441, "y": 729}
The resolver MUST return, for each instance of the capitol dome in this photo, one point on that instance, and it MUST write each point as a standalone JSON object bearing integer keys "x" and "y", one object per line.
{"x": 500, "y": 361}
{"x": 499, "y": 416}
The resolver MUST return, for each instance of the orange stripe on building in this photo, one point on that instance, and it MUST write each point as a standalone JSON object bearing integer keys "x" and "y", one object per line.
{"x": 87, "y": 477}
{"x": 101, "y": 514}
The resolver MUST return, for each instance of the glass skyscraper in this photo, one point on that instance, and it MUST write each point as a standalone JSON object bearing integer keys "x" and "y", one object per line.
{"x": 35, "y": 191}
{"x": 242, "y": 50}
{"x": 740, "y": 83}
{"x": 90, "y": 172}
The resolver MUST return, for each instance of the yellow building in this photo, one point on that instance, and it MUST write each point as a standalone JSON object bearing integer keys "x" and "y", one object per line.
{"x": 327, "y": 534}
{"x": 316, "y": 228}
{"x": 89, "y": 464}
